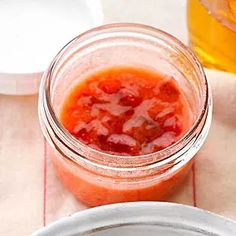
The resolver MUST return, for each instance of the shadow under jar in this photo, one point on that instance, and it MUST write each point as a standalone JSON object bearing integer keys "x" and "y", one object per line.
{"x": 96, "y": 177}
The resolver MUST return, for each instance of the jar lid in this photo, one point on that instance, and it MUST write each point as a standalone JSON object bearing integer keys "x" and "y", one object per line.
{"x": 32, "y": 32}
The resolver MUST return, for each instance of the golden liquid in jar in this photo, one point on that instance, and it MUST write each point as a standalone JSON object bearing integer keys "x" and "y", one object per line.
{"x": 212, "y": 33}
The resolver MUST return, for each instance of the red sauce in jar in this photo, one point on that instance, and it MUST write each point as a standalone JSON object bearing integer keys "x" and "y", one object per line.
{"x": 123, "y": 111}
{"x": 126, "y": 111}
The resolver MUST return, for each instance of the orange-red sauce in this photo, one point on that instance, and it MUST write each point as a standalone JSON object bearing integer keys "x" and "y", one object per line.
{"x": 126, "y": 111}
{"x": 123, "y": 111}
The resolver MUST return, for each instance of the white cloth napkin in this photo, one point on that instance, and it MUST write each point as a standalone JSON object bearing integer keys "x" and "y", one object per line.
{"x": 31, "y": 195}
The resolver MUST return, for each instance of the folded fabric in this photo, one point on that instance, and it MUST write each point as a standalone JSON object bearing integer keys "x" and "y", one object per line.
{"x": 31, "y": 195}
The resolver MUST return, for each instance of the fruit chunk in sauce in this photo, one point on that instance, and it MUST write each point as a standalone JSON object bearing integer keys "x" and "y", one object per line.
{"x": 126, "y": 111}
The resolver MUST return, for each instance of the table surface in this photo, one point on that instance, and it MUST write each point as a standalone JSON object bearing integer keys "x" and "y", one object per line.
{"x": 30, "y": 194}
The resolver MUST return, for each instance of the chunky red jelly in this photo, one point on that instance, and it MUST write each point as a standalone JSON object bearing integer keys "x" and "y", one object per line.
{"x": 126, "y": 111}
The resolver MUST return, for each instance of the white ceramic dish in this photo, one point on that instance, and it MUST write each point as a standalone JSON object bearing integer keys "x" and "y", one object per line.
{"x": 32, "y": 32}
{"x": 139, "y": 219}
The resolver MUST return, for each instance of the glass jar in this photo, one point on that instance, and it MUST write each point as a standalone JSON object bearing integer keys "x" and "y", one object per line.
{"x": 98, "y": 178}
{"x": 212, "y": 32}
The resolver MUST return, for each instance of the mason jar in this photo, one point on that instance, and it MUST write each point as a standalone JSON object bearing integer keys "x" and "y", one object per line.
{"x": 96, "y": 177}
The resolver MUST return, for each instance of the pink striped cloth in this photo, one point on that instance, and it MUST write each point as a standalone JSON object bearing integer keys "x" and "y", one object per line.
{"x": 31, "y": 196}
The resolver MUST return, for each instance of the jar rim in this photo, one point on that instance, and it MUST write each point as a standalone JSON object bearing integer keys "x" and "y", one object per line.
{"x": 73, "y": 144}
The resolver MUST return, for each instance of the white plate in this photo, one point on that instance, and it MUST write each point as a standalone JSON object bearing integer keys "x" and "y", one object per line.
{"x": 139, "y": 219}
{"x": 33, "y": 31}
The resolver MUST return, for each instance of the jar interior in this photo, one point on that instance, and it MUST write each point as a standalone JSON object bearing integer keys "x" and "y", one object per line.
{"x": 145, "y": 49}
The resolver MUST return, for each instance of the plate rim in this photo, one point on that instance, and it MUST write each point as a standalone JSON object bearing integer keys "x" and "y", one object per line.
{"x": 86, "y": 221}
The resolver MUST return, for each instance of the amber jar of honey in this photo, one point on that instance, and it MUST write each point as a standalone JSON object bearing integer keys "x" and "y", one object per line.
{"x": 212, "y": 32}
